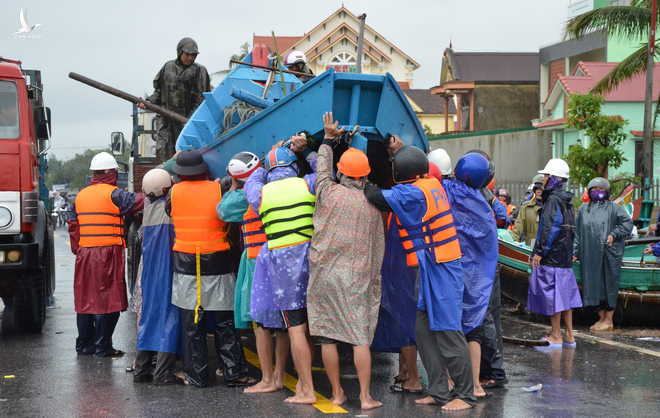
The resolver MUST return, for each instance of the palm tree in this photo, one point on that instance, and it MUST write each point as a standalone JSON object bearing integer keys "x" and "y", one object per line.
{"x": 245, "y": 49}
{"x": 629, "y": 23}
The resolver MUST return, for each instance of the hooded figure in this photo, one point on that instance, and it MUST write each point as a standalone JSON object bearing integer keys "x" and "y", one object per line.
{"x": 96, "y": 233}
{"x": 601, "y": 229}
{"x": 179, "y": 87}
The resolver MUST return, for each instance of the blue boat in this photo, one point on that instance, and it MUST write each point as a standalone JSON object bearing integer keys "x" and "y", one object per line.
{"x": 375, "y": 103}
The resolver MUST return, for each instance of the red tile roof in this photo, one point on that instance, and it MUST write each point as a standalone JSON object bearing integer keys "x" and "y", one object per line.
{"x": 550, "y": 123}
{"x": 283, "y": 42}
{"x": 640, "y": 134}
{"x": 632, "y": 90}
{"x": 404, "y": 85}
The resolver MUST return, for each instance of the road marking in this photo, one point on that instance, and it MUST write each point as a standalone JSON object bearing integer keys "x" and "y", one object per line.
{"x": 323, "y": 404}
{"x": 56, "y": 236}
{"x": 592, "y": 338}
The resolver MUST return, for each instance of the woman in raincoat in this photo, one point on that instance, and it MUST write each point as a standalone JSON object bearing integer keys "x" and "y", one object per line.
{"x": 553, "y": 290}
{"x": 602, "y": 226}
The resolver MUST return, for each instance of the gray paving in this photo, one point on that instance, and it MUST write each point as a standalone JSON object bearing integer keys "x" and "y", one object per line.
{"x": 594, "y": 380}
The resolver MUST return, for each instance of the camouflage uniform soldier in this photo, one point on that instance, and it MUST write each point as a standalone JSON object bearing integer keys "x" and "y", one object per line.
{"x": 178, "y": 86}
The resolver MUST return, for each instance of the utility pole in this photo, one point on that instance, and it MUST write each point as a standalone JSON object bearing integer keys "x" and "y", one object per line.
{"x": 647, "y": 146}
{"x": 362, "y": 18}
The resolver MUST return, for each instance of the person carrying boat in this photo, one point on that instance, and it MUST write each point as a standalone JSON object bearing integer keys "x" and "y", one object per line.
{"x": 395, "y": 331}
{"x": 204, "y": 280}
{"x": 343, "y": 294}
{"x": 553, "y": 290}
{"x": 428, "y": 233}
{"x": 602, "y": 227}
{"x": 234, "y": 207}
{"x": 96, "y": 232}
{"x": 297, "y": 61}
{"x": 179, "y": 87}
{"x": 159, "y": 329}
{"x": 476, "y": 229}
{"x": 285, "y": 204}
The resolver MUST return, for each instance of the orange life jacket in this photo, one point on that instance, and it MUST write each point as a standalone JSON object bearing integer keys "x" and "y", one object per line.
{"x": 196, "y": 223}
{"x": 99, "y": 220}
{"x": 437, "y": 225}
{"x": 510, "y": 209}
{"x": 253, "y": 237}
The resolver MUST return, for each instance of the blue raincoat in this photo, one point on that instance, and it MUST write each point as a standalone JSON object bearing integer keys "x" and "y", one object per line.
{"x": 477, "y": 234}
{"x": 398, "y": 301}
{"x": 159, "y": 328}
{"x": 440, "y": 284}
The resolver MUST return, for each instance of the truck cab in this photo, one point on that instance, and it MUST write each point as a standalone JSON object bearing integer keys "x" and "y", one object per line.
{"x": 27, "y": 269}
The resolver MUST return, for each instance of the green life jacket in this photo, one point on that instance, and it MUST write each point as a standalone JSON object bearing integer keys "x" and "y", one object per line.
{"x": 286, "y": 211}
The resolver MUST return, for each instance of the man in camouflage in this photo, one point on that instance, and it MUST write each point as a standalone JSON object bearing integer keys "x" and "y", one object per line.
{"x": 178, "y": 86}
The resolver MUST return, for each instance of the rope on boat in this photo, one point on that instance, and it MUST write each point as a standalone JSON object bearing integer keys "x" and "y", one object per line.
{"x": 244, "y": 110}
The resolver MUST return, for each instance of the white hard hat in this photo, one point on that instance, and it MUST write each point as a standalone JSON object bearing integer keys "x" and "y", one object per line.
{"x": 103, "y": 161}
{"x": 294, "y": 56}
{"x": 156, "y": 183}
{"x": 242, "y": 165}
{"x": 556, "y": 167}
{"x": 440, "y": 158}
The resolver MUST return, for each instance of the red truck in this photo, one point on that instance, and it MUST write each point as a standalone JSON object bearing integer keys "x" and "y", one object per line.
{"x": 27, "y": 265}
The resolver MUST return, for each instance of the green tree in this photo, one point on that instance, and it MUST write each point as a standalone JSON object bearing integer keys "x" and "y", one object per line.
{"x": 606, "y": 134}
{"x": 427, "y": 131}
{"x": 628, "y": 23}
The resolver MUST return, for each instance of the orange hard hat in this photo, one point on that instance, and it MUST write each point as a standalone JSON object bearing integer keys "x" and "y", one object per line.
{"x": 434, "y": 171}
{"x": 491, "y": 184}
{"x": 585, "y": 196}
{"x": 354, "y": 163}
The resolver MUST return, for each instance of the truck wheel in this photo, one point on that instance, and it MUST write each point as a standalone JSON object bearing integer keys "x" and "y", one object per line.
{"x": 134, "y": 252}
{"x": 30, "y": 300}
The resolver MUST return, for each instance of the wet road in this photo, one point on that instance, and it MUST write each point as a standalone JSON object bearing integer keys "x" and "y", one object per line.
{"x": 607, "y": 375}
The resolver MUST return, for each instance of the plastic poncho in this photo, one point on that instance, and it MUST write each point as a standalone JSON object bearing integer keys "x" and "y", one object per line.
{"x": 477, "y": 234}
{"x": 281, "y": 275}
{"x": 99, "y": 285}
{"x": 600, "y": 264}
{"x": 232, "y": 208}
{"x": 343, "y": 294}
{"x": 440, "y": 284}
{"x": 398, "y": 301}
{"x": 159, "y": 328}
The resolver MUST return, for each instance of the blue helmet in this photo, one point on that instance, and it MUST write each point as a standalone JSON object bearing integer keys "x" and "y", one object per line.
{"x": 280, "y": 157}
{"x": 475, "y": 169}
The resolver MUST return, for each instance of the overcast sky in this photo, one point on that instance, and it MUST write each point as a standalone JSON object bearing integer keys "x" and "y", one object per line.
{"x": 124, "y": 43}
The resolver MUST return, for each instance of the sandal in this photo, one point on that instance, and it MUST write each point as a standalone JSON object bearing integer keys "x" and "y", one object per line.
{"x": 398, "y": 387}
{"x": 114, "y": 353}
{"x": 249, "y": 381}
{"x": 495, "y": 384}
{"x": 176, "y": 380}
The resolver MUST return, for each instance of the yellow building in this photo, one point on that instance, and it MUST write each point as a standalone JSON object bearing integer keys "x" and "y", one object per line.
{"x": 333, "y": 43}
{"x": 430, "y": 110}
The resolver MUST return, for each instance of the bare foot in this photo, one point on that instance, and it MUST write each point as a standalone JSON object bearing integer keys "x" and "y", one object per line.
{"x": 594, "y": 326}
{"x": 426, "y": 401}
{"x": 553, "y": 340}
{"x": 262, "y": 387}
{"x": 301, "y": 399}
{"x": 370, "y": 403}
{"x": 486, "y": 382}
{"x": 456, "y": 405}
{"x": 279, "y": 381}
{"x": 408, "y": 384}
{"x": 182, "y": 375}
{"x": 338, "y": 400}
{"x": 479, "y": 392}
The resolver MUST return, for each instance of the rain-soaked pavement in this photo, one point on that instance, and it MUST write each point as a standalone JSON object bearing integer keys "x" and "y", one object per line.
{"x": 607, "y": 375}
